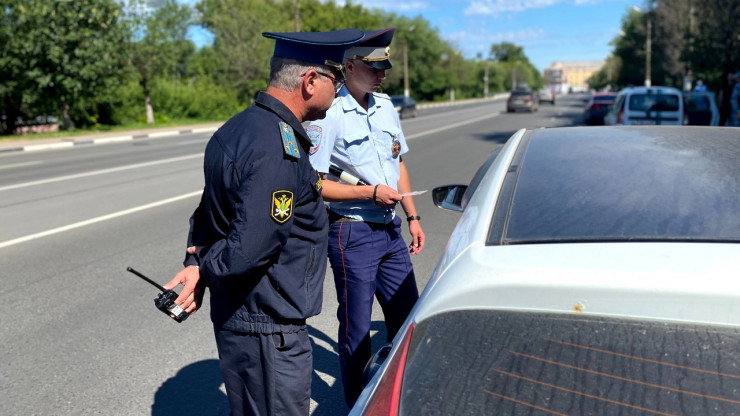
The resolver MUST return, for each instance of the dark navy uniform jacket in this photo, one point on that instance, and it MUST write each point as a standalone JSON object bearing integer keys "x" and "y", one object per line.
{"x": 263, "y": 222}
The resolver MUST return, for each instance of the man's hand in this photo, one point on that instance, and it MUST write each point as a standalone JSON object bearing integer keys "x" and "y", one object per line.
{"x": 417, "y": 237}
{"x": 385, "y": 196}
{"x": 191, "y": 296}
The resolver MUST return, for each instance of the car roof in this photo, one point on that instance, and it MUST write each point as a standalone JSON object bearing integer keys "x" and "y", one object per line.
{"x": 669, "y": 280}
{"x": 651, "y": 90}
{"x": 618, "y": 184}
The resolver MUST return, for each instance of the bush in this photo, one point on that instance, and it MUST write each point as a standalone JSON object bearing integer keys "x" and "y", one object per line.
{"x": 199, "y": 100}
{"x": 204, "y": 101}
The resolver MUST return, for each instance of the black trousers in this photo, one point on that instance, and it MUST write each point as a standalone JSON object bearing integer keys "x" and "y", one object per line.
{"x": 266, "y": 374}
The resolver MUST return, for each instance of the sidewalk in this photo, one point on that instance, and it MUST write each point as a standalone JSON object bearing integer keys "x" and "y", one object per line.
{"x": 30, "y": 144}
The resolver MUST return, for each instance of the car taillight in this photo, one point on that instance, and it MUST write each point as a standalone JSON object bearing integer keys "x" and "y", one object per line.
{"x": 386, "y": 398}
{"x": 620, "y": 117}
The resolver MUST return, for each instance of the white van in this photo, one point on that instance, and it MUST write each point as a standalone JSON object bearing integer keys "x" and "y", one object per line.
{"x": 636, "y": 106}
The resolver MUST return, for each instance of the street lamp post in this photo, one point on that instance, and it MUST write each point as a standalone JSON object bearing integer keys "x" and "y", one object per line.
{"x": 648, "y": 42}
{"x": 405, "y": 69}
{"x": 485, "y": 80}
{"x": 648, "y": 49}
{"x": 406, "y": 91}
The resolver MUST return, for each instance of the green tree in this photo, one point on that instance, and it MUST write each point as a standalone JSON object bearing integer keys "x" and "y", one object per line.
{"x": 508, "y": 52}
{"x": 629, "y": 48}
{"x": 713, "y": 42}
{"x": 241, "y": 53}
{"x": 516, "y": 64}
{"x": 58, "y": 56}
{"x": 159, "y": 47}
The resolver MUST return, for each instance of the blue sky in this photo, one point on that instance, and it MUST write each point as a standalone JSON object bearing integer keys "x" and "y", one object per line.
{"x": 549, "y": 30}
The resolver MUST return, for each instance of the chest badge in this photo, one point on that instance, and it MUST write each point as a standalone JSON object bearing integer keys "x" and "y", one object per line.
{"x": 290, "y": 146}
{"x": 282, "y": 206}
{"x": 395, "y": 146}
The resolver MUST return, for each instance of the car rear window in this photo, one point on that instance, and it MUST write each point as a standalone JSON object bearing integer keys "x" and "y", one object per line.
{"x": 520, "y": 93}
{"x": 654, "y": 102}
{"x": 615, "y": 184}
{"x": 524, "y": 363}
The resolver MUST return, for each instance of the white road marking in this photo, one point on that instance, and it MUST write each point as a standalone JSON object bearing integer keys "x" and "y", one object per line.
{"x": 97, "y": 219}
{"x": 159, "y": 203}
{"x": 18, "y": 165}
{"x": 450, "y": 126}
{"x": 99, "y": 172}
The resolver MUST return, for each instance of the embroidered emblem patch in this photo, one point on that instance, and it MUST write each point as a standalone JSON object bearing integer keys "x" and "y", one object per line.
{"x": 282, "y": 206}
{"x": 314, "y": 133}
{"x": 395, "y": 146}
{"x": 290, "y": 147}
{"x": 319, "y": 184}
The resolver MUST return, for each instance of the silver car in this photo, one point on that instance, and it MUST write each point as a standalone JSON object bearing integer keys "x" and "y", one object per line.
{"x": 594, "y": 271}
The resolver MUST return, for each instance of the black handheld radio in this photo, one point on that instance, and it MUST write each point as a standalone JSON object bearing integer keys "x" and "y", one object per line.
{"x": 165, "y": 301}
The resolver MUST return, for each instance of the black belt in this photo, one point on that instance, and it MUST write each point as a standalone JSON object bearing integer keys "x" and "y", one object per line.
{"x": 334, "y": 217}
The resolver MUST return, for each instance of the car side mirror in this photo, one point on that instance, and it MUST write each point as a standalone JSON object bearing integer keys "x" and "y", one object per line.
{"x": 375, "y": 362}
{"x": 449, "y": 197}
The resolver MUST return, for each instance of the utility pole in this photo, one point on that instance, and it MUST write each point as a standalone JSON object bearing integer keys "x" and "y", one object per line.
{"x": 485, "y": 80}
{"x": 648, "y": 49}
{"x": 406, "y": 91}
{"x": 296, "y": 17}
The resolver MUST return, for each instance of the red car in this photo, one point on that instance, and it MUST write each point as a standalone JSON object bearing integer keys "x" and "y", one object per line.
{"x": 597, "y": 107}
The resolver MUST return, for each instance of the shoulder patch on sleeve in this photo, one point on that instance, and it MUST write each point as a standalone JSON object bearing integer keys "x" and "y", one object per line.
{"x": 282, "y": 206}
{"x": 314, "y": 133}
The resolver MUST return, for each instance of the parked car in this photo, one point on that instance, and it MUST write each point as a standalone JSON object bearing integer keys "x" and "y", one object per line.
{"x": 592, "y": 272}
{"x": 597, "y": 107}
{"x": 636, "y": 106}
{"x": 406, "y": 106}
{"x": 701, "y": 108}
{"x": 522, "y": 100}
{"x": 546, "y": 94}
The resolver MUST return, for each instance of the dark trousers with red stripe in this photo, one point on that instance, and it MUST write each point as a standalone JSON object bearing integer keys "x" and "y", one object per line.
{"x": 369, "y": 261}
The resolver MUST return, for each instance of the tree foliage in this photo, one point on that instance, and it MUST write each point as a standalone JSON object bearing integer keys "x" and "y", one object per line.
{"x": 57, "y": 55}
{"x": 241, "y": 53}
{"x": 689, "y": 39}
{"x": 158, "y": 47}
{"x": 91, "y": 61}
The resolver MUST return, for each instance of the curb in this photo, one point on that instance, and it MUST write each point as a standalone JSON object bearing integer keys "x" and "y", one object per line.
{"x": 63, "y": 143}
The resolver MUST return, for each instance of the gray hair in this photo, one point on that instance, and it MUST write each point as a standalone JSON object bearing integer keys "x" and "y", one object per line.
{"x": 285, "y": 73}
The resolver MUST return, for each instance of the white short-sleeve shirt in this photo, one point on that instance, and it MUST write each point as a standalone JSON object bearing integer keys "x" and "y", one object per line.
{"x": 367, "y": 144}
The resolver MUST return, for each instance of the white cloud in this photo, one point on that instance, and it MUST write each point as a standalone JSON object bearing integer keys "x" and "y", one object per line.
{"x": 392, "y": 6}
{"x": 490, "y": 38}
{"x": 497, "y": 7}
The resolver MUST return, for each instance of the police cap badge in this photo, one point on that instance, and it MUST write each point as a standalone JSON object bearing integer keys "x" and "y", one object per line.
{"x": 374, "y": 49}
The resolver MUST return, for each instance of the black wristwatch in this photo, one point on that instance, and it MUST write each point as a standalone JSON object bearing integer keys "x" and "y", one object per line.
{"x": 415, "y": 217}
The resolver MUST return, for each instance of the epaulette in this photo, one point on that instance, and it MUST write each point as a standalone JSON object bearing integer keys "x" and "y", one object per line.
{"x": 290, "y": 146}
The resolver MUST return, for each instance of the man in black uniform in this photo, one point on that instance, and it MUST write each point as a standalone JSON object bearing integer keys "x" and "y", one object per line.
{"x": 258, "y": 238}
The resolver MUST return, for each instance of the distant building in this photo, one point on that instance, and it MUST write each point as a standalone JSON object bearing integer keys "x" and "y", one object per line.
{"x": 570, "y": 76}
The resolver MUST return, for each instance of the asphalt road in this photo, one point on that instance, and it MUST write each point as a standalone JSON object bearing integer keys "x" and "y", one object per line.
{"x": 81, "y": 336}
